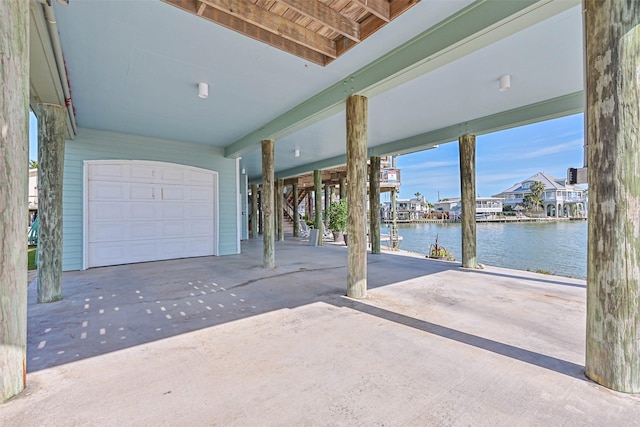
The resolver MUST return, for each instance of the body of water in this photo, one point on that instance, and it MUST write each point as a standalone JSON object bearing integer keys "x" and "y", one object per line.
{"x": 558, "y": 247}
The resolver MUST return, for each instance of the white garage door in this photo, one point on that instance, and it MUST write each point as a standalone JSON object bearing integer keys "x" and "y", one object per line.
{"x": 139, "y": 211}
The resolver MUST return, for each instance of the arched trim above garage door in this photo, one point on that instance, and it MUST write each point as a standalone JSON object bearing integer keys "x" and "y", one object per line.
{"x": 138, "y": 211}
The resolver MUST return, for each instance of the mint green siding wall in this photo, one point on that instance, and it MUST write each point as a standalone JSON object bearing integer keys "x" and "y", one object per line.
{"x": 92, "y": 144}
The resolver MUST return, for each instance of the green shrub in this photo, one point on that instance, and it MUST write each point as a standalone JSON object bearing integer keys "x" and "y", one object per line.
{"x": 338, "y": 215}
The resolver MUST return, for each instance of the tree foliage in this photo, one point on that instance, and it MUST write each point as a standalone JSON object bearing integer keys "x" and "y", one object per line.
{"x": 338, "y": 216}
{"x": 534, "y": 199}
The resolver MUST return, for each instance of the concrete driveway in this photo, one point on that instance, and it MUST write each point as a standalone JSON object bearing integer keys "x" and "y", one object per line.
{"x": 221, "y": 341}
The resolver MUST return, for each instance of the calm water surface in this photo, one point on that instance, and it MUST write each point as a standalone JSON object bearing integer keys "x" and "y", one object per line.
{"x": 557, "y": 247}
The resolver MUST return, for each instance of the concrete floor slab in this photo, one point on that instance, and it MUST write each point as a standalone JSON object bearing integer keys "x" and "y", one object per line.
{"x": 221, "y": 341}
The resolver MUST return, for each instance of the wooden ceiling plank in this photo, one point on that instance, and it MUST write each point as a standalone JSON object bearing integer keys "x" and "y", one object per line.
{"x": 247, "y": 11}
{"x": 372, "y": 24}
{"x": 398, "y": 7}
{"x": 380, "y": 8}
{"x": 250, "y": 30}
{"x": 329, "y": 17}
{"x": 201, "y": 7}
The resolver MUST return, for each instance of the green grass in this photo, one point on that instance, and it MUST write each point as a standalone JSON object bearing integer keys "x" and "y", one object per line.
{"x": 31, "y": 258}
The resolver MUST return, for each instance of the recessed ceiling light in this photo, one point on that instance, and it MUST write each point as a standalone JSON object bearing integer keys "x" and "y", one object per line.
{"x": 505, "y": 82}
{"x": 203, "y": 90}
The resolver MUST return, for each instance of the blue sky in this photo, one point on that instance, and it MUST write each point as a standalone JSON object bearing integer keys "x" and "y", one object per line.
{"x": 33, "y": 137}
{"x": 502, "y": 159}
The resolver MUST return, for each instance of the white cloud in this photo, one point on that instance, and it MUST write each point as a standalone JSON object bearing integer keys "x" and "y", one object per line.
{"x": 554, "y": 149}
{"x": 501, "y": 177}
{"x": 430, "y": 165}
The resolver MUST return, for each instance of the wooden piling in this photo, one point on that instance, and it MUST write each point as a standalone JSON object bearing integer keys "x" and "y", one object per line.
{"x": 280, "y": 208}
{"x": 14, "y": 147}
{"x": 317, "y": 190}
{"x": 268, "y": 191}
{"x": 254, "y": 211}
{"x": 374, "y": 204}
{"x": 467, "y": 148}
{"x": 296, "y": 206}
{"x": 260, "y": 211}
{"x": 343, "y": 188}
{"x": 612, "y": 114}
{"x": 52, "y": 128}
{"x": 356, "y": 196}
{"x": 327, "y": 198}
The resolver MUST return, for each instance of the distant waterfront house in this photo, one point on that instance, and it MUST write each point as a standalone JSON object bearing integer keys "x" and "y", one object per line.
{"x": 407, "y": 209}
{"x": 559, "y": 199}
{"x": 485, "y": 206}
{"x": 33, "y": 193}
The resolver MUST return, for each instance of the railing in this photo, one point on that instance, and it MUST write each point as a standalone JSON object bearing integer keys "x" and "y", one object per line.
{"x": 303, "y": 227}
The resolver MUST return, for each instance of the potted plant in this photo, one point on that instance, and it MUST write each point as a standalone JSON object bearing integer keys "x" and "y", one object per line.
{"x": 437, "y": 251}
{"x": 338, "y": 219}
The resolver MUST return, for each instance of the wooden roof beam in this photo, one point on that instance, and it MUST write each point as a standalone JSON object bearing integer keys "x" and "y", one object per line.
{"x": 379, "y": 8}
{"x": 201, "y": 7}
{"x": 276, "y": 24}
{"x": 250, "y": 30}
{"x": 325, "y": 15}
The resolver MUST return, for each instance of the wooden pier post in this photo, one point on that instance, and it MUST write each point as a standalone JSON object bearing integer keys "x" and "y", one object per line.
{"x": 52, "y": 127}
{"x": 296, "y": 206}
{"x": 343, "y": 188}
{"x": 393, "y": 230}
{"x": 254, "y": 211}
{"x": 14, "y": 147}
{"x": 260, "y": 211}
{"x": 357, "y": 195}
{"x": 317, "y": 211}
{"x": 327, "y": 198}
{"x": 280, "y": 208}
{"x": 467, "y": 146}
{"x": 374, "y": 204}
{"x": 612, "y": 114}
{"x": 269, "y": 257}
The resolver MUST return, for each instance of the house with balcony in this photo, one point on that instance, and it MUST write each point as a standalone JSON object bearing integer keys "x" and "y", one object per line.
{"x": 33, "y": 194}
{"x": 560, "y": 199}
{"x": 486, "y": 207}
{"x": 406, "y": 209}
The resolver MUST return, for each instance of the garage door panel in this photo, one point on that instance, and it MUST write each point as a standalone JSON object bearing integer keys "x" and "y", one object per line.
{"x": 109, "y": 172}
{"x": 143, "y": 230}
{"x": 172, "y": 175}
{"x": 200, "y": 246}
{"x": 201, "y": 228}
{"x": 108, "y": 231}
{"x": 173, "y": 193}
{"x": 141, "y": 192}
{"x": 101, "y": 190}
{"x": 172, "y": 211}
{"x": 200, "y": 194}
{"x": 200, "y": 211}
{"x": 143, "y": 211}
{"x": 143, "y": 173}
{"x": 106, "y": 212}
{"x": 173, "y": 228}
{"x": 173, "y": 248}
{"x": 109, "y": 253}
{"x": 145, "y": 250}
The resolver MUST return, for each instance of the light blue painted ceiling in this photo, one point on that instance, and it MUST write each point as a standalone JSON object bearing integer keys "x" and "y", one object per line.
{"x": 134, "y": 67}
